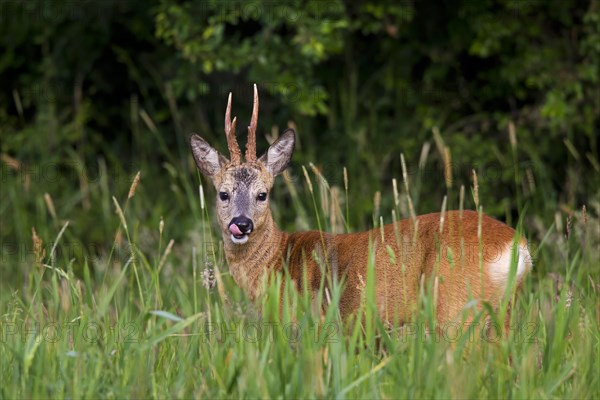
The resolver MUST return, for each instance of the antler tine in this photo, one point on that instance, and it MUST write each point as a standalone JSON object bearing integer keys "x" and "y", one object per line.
{"x": 228, "y": 115}
{"x": 232, "y": 144}
{"x": 251, "y": 145}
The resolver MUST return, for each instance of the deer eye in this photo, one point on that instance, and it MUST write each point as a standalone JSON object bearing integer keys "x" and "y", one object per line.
{"x": 262, "y": 196}
{"x": 224, "y": 196}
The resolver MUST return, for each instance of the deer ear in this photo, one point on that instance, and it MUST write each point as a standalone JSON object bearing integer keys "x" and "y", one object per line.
{"x": 279, "y": 154}
{"x": 208, "y": 160}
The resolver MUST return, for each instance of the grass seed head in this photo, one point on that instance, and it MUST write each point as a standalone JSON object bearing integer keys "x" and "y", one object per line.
{"x": 447, "y": 167}
{"x": 208, "y": 276}
{"x": 201, "y": 194}
{"x": 134, "y": 184}
{"x": 345, "y": 179}
{"x": 424, "y": 155}
{"x": 475, "y": 189}
{"x": 512, "y": 135}
{"x": 39, "y": 253}
{"x": 404, "y": 172}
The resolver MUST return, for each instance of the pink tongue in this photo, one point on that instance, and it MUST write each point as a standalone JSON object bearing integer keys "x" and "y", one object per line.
{"x": 233, "y": 228}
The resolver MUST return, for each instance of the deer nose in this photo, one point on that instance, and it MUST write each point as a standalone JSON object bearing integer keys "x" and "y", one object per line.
{"x": 244, "y": 224}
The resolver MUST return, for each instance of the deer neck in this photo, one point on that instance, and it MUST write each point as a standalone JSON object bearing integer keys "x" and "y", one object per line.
{"x": 251, "y": 262}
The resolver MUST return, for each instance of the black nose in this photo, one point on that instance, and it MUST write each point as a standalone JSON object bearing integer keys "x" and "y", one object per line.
{"x": 245, "y": 224}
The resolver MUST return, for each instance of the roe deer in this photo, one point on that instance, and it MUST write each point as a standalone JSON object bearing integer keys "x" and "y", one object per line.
{"x": 466, "y": 264}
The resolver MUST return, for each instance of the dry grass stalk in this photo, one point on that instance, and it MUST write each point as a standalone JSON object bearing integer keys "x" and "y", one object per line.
{"x": 64, "y": 295}
{"x": 439, "y": 142}
{"x": 85, "y": 189}
{"x": 273, "y": 135}
{"x": 208, "y": 276}
{"x": 221, "y": 286}
{"x": 443, "y": 214}
{"x": 148, "y": 121}
{"x": 335, "y": 212}
{"x": 319, "y": 175}
{"x": 569, "y": 145}
{"x": 323, "y": 189}
{"x": 445, "y": 154}
{"x": 512, "y": 135}
{"x": 292, "y": 125}
{"x": 120, "y": 213}
{"x": 475, "y": 189}
{"x": 593, "y": 161}
{"x": 134, "y": 185}
{"x": 16, "y": 165}
{"x": 119, "y": 237}
{"x": 530, "y": 180}
{"x": 345, "y": 179}
{"x": 404, "y": 171}
{"x": 308, "y": 181}
{"x": 415, "y": 232}
{"x": 377, "y": 203}
{"x": 12, "y": 163}
{"x": 163, "y": 259}
{"x": 39, "y": 253}
{"x": 558, "y": 221}
{"x": 327, "y": 296}
{"x": 50, "y": 205}
{"x": 18, "y": 104}
{"x": 405, "y": 178}
{"x": 201, "y": 194}
{"x": 396, "y": 195}
{"x": 424, "y": 155}
{"x": 447, "y": 167}
{"x": 411, "y": 208}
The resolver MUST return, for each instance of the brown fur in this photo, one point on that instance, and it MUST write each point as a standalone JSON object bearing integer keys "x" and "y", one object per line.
{"x": 396, "y": 286}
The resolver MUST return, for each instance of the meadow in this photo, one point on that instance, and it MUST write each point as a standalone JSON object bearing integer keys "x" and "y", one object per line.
{"x": 148, "y": 316}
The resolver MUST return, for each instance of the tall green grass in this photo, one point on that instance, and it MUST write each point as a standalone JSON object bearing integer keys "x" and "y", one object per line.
{"x": 148, "y": 317}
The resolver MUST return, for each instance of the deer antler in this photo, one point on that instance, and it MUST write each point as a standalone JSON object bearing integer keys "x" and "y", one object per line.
{"x": 251, "y": 145}
{"x": 234, "y": 148}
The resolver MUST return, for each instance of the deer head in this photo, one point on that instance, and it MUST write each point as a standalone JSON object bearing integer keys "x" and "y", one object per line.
{"x": 243, "y": 187}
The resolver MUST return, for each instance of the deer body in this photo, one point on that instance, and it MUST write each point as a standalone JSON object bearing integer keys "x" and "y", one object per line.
{"x": 464, "y": 263}
{"x": 397, "y": 282}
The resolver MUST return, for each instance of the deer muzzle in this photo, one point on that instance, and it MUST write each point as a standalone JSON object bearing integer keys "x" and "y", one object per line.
{"x": 240, "y": 228}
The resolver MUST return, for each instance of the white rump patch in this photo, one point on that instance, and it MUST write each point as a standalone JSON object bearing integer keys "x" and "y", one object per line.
{"x": 499, "y": 269}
